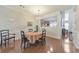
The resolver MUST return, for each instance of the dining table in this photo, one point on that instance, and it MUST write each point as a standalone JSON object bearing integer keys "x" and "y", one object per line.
{"x": 33, "y": 36}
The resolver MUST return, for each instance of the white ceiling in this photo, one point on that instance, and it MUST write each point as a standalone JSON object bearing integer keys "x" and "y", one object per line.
{"x": 33, "y": 9}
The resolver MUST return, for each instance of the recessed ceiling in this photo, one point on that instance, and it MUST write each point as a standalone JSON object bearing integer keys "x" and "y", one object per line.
{"x": 33, "y": 9}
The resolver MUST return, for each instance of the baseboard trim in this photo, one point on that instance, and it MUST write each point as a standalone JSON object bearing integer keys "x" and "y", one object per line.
{"x": 76, "y": 47}
{"x": 52, "y": 37}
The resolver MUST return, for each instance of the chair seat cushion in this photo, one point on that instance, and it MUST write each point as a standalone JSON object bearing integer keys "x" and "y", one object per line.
{"x": 11, "y": 37}
{"x": 7, "y": 38}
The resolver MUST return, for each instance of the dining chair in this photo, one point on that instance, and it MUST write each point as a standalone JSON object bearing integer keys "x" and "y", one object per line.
{"x": 42, "y": 39}
{"x": 6, "y": 36}
{"x": 24, "y": 40}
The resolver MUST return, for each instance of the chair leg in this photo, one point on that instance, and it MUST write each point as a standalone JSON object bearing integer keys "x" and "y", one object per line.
{"x": 21, "y": 43}
{"x": 1, "y": 43}
{"x": 8, "y": 42}
{"x": 42, "y": 43}
{"x": 24, "y": 45}
{"x": 5, "y": 43}
{"x": 28, "y": 44}
{"x": 14, "y": 39}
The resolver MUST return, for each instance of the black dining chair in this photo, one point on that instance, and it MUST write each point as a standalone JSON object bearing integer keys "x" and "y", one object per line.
{"x": 42, "y": 39}
{"x": 6, "y": 36}
{"x": 24, "y": 40}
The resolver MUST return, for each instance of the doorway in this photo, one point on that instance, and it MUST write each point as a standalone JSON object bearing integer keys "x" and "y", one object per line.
{"x": 67, "y": 24}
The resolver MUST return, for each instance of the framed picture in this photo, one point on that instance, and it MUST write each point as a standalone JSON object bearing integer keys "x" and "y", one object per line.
{"x": 29, "y": 23}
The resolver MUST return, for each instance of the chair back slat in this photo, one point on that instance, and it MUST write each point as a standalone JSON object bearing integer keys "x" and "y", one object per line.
{"x": 43, "y": 33}
{"x": 4, "y": 34}
{"x": 22, "y": 35}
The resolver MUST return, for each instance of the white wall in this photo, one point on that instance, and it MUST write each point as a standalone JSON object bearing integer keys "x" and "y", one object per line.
{"x": 54, "y": 32}
{"x": 14, "y": 21}
{"x": 76, "y": 31}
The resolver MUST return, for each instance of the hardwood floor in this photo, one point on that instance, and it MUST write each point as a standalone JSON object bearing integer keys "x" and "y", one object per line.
{"x": 52, "y": 46}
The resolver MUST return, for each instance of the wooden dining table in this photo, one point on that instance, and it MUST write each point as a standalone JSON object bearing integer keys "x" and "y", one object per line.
{"x": 33, "y": 36}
